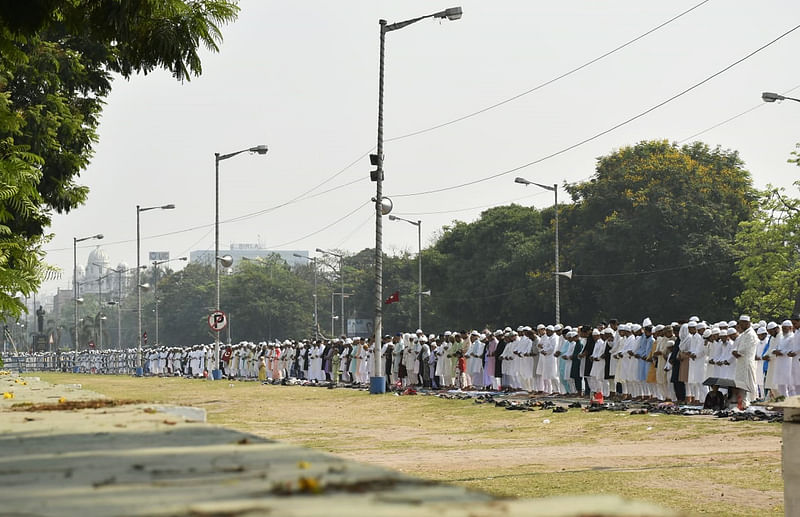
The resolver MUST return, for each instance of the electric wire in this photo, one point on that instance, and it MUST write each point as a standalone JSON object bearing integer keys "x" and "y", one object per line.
{"x": 604, "y": 132}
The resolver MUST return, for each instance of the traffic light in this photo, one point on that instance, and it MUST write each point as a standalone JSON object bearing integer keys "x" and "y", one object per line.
{"x": 376, "y": 161}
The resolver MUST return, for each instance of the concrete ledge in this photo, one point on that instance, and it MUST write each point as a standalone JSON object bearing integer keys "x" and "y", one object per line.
{"x": 162, "y": 461}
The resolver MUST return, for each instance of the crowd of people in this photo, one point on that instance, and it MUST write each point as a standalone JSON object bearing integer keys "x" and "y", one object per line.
{"x": 681, "y": 361}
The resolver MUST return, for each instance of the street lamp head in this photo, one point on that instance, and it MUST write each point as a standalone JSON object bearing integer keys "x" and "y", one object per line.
{"x": 260, "y": 149}
{"x": 453, "y": 13}
{"x": 225, "y": 260}
{"x": 144, "y": 287}
{"x": 98, "y": 236}
{"x": 521, "y": 181}
{"x": 771, "y": 97}
{"x": 392, "y": 218}
{"x": 168, "y": 207}
{"x": 79, "y": 300}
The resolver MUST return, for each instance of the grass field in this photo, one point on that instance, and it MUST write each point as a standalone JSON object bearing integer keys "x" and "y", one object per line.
{"x": 697, "y": 465}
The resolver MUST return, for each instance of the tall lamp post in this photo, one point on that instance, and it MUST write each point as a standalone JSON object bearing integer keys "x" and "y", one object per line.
{"x": 554, "y": 190}
{"x": 227, "y": 261}
{"x": 341, "y": 278}
{"x": 157, "y": 263}
{"x": 772, "y": 97}
{"x": 418, "y": 224}
{"x": 75, "y": 241}
{"x": 378, "y": 381}
{"x": 313, "y": 262}
{"x": 139, "y": 210}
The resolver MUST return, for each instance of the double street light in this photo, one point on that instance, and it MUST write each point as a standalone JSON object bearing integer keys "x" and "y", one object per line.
{"x": 227, "y": 260}
{"x": 157, "y": 263}
{"x": 418, "y": 224}
{"x": 341, "y": 278}
{"x": 75, "y": 241}
{"x": 313, "y": 262}
{"x": 139, "y": 287}
{"x": 378, "y": 381}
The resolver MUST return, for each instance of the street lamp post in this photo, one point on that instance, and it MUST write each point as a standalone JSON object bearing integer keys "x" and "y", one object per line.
{"x": 341, "y": 278}
{"x": 554, "y": 190}
{"x": 259, "y": 149}
{"x": 314, "y": 265}
{"x": 75, "y": 241}
{"x": 157, "y": 263}
{"x": 139, "y": 210}
{"x": 378, "y": 381}
{"x": 418, "y": 224}
{"x": 772, "y": 97}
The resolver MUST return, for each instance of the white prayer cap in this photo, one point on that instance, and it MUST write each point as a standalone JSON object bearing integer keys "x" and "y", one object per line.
{"x": 507, "y": 329}
{"x": 423, "y": 339}
{"x": 694, "y": 319}
{"x": 482, "y": 336}
{"x": 419, "y": 331}
{"x": 701, "y": 325}
{"x": 520, "y": 328}
{"x": 761, "y": 330}
{"x": 474, "y": 333}
{"x": 731, "y": 323}
{"x": 786, "y": 323}
{"x": 514, "y": 333}
{"x": 647, "y": 323}
{"x": 498, "y": 332}
{"x": 723, "y": 323}
{"x": 715, "y": 331}
{"x": 558, "y": 326}
{"x": 526, "y": 328}
{"x": 550, "y": 328}
{"x": 448, "y": 333}
{"x": 626, "y": 327}
{"x": 771, "y": 325}
{"x": 608, "y": 330}
{"x": 348, "y": 341}
{"x": 572, "y": 334}
{"x": 762, "y": 323}
{"x": 744, "y": 317}
{"x": 431, "y": 336}
{"x": 707, "y": 334}
{"x": 636, "y": 327}
{"x": 658, "y": 328}
{"x": 692, "y": 324}
{"x": 595, "y": 332}
{"x": 540, "y": 326}
{"x": 731, "y": 331}
{"x": 674, "y": 324}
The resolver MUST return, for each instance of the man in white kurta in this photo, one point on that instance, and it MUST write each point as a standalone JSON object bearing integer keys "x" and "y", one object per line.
{"x": 744, "y": 349}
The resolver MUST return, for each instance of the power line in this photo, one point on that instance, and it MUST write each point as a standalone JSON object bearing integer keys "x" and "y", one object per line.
{"x": 472, "y": 207}
{"x": 606, "y": 131}
{"x": 348, "y": 214}
{"x": 548, "y": 82}
{"x": 731, "y": 119}
{"x": 650, "y": 271}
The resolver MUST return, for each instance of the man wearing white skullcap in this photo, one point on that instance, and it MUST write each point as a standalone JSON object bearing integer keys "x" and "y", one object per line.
{"x": 780, "y": 361}
{"x": 744, "y": 350}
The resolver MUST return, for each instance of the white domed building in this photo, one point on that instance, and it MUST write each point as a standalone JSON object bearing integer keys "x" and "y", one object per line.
{"x": 98, "y": 275}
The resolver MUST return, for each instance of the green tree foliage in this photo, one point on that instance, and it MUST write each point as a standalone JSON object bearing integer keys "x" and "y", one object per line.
{"x": 480, "y": 272}
{"x": 652, "y": 233}
{"x": 56, "y": 64}
{"x": 769, "y": 265}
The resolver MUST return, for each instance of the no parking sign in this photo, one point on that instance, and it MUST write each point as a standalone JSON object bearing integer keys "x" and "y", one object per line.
{"x": 217, "y": 321}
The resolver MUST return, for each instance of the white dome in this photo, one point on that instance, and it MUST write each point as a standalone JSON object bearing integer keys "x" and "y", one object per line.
{"x": 98, "y": 256}
{"x": 122, "y": 266}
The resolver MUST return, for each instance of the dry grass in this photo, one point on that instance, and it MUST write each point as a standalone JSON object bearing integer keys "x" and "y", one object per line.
{"x": 698, "y": 465}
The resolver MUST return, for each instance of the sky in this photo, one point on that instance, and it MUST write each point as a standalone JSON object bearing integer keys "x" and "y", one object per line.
{"x": 302, "y": 78}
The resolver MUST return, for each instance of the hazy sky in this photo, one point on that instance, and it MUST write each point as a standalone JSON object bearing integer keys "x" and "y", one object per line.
{"x": 301, "y": 77}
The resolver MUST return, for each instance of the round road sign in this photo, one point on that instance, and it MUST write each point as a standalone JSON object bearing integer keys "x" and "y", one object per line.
{"x": 217, "y": 321}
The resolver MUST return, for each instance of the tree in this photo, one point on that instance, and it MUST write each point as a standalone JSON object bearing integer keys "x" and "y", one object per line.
{"x": 56, "y": 65}
{"x": 652, "y": 233}
{"x": 479, "y": 273}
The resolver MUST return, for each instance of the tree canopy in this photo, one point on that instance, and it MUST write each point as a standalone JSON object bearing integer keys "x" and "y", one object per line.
{"x": 57, "y": 60}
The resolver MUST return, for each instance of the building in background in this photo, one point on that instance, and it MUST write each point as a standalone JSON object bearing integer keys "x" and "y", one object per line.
{"x": 240, "y": 251}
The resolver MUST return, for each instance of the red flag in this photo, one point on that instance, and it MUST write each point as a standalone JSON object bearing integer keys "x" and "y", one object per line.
{"x": 395, "y": 297}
